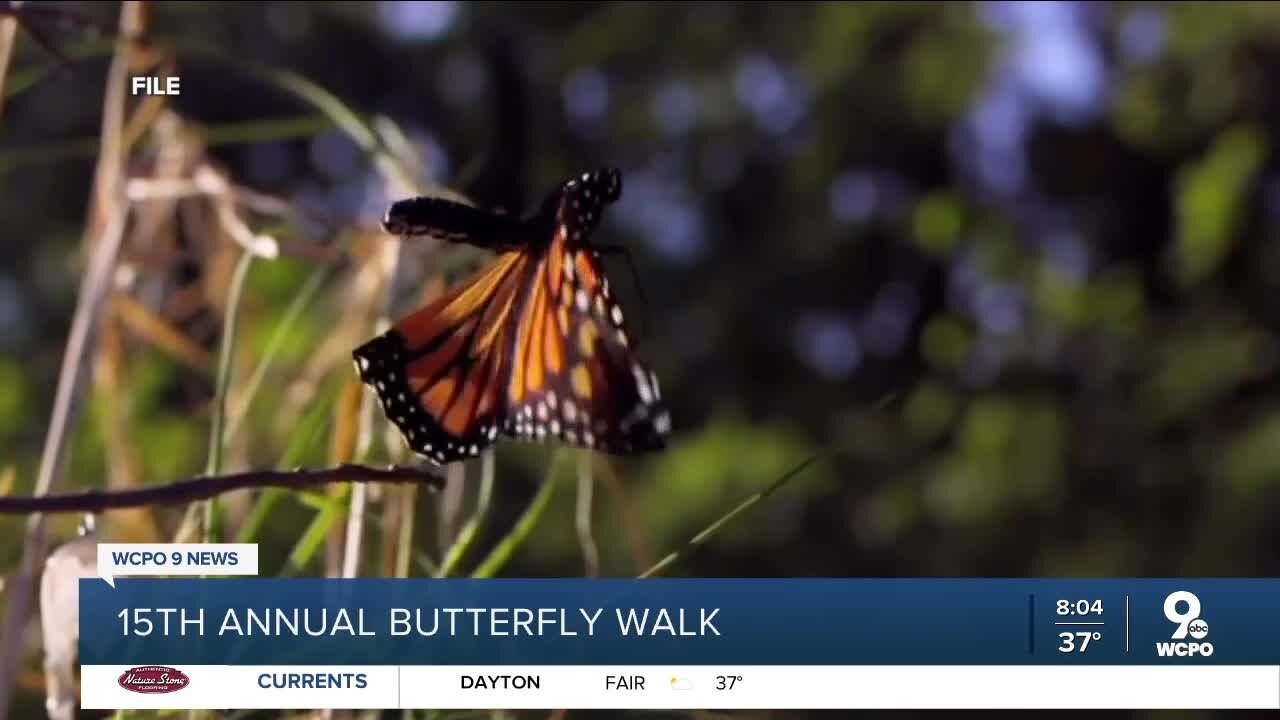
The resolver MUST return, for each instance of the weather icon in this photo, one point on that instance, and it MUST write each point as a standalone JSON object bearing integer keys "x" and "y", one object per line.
{"x": 679, "y": 683}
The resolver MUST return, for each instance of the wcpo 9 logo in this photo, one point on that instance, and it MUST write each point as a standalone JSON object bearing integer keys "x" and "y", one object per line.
{"x": 1182, "y": 608}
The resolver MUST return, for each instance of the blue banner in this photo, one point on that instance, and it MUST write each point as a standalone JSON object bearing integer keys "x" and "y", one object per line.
{"x": 268, "y": 621}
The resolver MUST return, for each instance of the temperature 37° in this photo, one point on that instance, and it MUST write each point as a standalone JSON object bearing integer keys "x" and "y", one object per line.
{"x": 1077, "y": 641}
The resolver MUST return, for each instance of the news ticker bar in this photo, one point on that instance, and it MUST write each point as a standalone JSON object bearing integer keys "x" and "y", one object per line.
{"x": 793, "y": 687}
{"x": 705, "y": 622}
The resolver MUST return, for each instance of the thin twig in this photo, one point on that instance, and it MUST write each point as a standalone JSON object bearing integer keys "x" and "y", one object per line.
{"x": 204, "y": 487}
{"x": 582, "y": 517}
{"x": 710, "y": 531}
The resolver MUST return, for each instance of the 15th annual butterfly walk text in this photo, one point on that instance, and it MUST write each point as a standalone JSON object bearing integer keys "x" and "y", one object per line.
{"x": 424, "y": 622}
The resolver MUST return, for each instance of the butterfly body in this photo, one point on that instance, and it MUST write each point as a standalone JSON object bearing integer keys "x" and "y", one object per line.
{"x": 534, "y": 347}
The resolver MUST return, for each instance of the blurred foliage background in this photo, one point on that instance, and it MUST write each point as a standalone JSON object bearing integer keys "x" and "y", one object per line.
{"x": 1010, "y": 269}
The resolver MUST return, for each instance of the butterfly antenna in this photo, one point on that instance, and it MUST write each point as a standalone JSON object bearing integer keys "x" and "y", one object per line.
{"x": 635, "y": 277}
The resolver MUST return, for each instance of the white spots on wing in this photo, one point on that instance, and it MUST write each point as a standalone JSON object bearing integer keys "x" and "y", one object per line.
{"x": 571, "y": 437}
{"x": 380, "y": 385}
{"x": 391, "y": 376}
{"x": 362, "y": 363}
{"x": 662, "y": 423}
{"x": 588, "y": 439}
{"x": 638, "y": 414}
{"x": 570, "y": 411}
{"x": 582, "y": 300}
{"x": 568, "y": 267}
{"x": 475, "y": 449}
{"x": 577, "y": 235}
{"x": 653, "y": 380}
{"x": 493, "y": 432}
{"x": 586, "y": 177}
{"x": 555, "y": 427}
{"x": 616, "y": 315}
{"x": 542, "y": 411}
{"x": 551, "y": 399}
{"x": 622, "y": 339}
{"x": 642, "y": 384}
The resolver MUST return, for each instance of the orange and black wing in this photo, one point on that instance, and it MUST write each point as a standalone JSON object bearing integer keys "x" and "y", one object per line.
{"x": 575, "y": 377}
{"x": 441, "y": 373}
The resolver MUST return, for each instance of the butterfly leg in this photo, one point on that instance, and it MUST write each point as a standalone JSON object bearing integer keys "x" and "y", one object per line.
{"x": 625, "y": 252}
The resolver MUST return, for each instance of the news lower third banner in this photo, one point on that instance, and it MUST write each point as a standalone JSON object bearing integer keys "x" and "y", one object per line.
{"x": 674, "y": 643}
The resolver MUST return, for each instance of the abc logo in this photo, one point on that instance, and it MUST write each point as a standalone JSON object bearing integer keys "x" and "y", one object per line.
{"x": 1182, "y": 608}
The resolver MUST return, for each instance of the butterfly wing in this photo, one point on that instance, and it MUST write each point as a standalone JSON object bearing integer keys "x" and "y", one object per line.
{"x": 454, "y": 222}
{"x": 575, "y": 377}
{"x": 440, "y": 373}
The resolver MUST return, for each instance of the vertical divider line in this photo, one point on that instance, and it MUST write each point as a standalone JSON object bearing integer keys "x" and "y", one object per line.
{"x": 1031, "y": 624}
{"x": 1126, "y": 624}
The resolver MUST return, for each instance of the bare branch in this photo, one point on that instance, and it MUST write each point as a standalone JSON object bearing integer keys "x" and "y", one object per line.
{"x": 204, "y": 487}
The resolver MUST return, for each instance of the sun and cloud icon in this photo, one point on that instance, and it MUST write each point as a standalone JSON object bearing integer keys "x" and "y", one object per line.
{"x": 680, "y": 683}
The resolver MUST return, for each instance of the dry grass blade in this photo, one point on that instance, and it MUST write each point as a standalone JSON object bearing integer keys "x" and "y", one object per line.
{"x": 506, "y": 548}
{"x": 471, "y": 531}
{"x": 217, "y": 433}
{"x": 300, "y": 302}
{"x": 710, "y": 531}
{"x": 104, "y": 239}
{"x": 8, "y": 37}
{"x": 60, "y": 620}
{"x": 582, "y": 517}
{"x": 354, "y": 535}
{"x": 67, "y": 403}
{"x": 161, "y": 333}
{"x": 632, "y": 526}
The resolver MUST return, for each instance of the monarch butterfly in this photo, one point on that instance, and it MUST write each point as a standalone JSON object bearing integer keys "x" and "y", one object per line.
{"x": 533, "y": 347}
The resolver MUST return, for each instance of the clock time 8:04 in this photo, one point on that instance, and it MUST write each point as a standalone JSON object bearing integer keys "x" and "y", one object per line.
{"x": 1080, "y": 607}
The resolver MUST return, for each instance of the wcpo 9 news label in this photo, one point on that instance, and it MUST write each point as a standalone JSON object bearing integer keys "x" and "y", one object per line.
{"x": 264, "y": 643}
